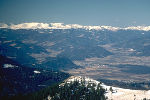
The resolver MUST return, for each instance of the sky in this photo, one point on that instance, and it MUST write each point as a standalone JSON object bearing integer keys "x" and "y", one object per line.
{"x": 120, "y": 13}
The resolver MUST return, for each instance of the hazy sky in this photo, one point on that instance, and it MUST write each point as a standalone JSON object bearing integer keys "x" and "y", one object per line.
{"x": 85, "y": 12}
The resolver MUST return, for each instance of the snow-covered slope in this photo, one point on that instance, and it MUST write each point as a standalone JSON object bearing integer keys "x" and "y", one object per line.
{"x": 116, "y": 93}
{"x": 36, "y": 25}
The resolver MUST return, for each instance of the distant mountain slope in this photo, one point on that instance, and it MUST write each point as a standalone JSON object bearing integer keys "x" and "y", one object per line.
{"x": 17, "y": 79}
{"x": 74, "y": 43}
{"x": 38, "y": 45}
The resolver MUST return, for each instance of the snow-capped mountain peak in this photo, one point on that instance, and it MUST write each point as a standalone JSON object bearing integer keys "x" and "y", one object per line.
{"x": 36, "y": 25}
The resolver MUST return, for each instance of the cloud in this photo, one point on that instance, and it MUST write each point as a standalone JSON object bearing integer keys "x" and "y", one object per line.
{"x": 35, "y": 25}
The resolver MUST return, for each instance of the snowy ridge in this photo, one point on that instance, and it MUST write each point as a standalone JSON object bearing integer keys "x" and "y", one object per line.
{"x": 36, "y": 25}
{"x": 117, "y": 93}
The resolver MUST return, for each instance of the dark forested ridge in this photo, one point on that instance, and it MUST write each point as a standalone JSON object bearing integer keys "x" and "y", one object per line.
{"x": 74, "y": 90}
{"x": 16, "y": 79}
{"x": 79, "y": 91}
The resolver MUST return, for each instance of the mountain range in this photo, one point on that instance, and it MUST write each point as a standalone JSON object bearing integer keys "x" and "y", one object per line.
{"x": 42, "y": 54}
{"x": 36, "y": 25}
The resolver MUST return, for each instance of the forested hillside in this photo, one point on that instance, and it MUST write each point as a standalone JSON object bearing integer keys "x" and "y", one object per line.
{"x": 68, "y": 90}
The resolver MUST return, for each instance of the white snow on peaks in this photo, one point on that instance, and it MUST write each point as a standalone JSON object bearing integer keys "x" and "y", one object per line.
{"x": 36, "y": 25}
{"x": 2, "y": 25}
{"x": 144, "y": 28}
{"x": 111, "y": 28}
{"x": 56, "y": 26}
{"x": 32, "y": 25}
{"x": 62, "y": 26}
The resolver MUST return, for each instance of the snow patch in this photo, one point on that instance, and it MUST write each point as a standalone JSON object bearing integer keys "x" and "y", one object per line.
{"x": 143, "y": 33}
{"x": 9, "y": 66}
{"x": 37, "y": 72}
{"x": 131, "y": 50}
